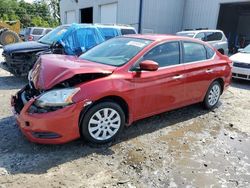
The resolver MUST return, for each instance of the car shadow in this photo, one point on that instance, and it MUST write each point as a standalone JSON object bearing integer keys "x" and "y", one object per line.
{"x": 240, "y": 84}
{"x": 12, "y": 82}
{"x": 18, "y": 155}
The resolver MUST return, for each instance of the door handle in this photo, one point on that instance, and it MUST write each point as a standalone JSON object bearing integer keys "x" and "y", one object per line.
{"x": 209, "y": 70}
{"x": 178, "y": 77}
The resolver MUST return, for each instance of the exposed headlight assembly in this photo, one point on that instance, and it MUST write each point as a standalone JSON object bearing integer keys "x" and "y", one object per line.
{"x": 57, "y": 98}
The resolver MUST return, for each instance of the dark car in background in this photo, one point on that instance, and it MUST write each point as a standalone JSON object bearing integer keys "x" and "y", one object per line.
{"x": 66, "y": 39}
{"x": 72, "y": 39}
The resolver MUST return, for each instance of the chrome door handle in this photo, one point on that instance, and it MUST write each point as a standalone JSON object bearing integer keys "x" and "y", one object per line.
{"x": 209, "y": 70}
{"x": 178, "y": 77}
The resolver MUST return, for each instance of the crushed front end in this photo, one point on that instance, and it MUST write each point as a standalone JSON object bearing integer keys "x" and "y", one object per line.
{"x": 45, "y": 125}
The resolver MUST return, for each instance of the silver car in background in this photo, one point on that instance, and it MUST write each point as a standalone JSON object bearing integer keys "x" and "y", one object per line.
{"x": 216, "y": 38}
{"x": 33, "y": 33}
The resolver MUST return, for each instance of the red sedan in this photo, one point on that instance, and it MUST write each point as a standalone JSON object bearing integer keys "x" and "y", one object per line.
{"x": 116, "y": 83}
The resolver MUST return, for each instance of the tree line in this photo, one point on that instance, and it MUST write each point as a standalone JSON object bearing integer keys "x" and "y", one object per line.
{"x": 41, "y": 13}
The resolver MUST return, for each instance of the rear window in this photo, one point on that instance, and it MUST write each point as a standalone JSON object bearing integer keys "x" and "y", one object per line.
{"x": 37, "y": 31}
{"x": 213, "y": 36}
{"x": 127, "y": 31}
{"x": 48, "y": 30}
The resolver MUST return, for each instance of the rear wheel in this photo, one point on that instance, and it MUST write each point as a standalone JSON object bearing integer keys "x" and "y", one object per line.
{"x": 103, "y": 122}
{"x": 8, "y": 37}
{"x": 213, "y": 95}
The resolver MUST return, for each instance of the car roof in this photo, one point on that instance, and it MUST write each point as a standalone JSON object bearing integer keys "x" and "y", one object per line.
{"x": 159, "y": 37}
{"x": 39, "y": 27}
{"x": 199, "y": 31}
{"x": 114, "y": 26}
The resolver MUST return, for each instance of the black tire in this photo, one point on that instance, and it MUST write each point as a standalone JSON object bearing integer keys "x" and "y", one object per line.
{"x": 84, "y": 127}
{"x": 8, "y": 37}
{"x": 208, "y": 105}
{"x": 221, "y": 51}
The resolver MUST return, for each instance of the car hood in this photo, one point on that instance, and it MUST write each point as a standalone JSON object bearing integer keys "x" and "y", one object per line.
{"x": 51, "y": 70}
{"x": 241, "y": 58}
{"x": 25, "y": 47}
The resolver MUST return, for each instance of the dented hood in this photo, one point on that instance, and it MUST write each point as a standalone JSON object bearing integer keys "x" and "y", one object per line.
{"x": 51, "y": 70}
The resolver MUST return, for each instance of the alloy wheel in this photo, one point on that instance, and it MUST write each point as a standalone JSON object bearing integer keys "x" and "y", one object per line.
{"x": 104, "y": 124}
{"x": 214, "y": 95}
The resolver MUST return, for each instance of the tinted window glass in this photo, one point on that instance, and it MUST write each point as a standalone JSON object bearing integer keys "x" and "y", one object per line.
{"x": 213, "y": 36}
{"x": 201, "y": 36}
{"x": 165, "y": 55}
{"x": 37, "y": 31}
{"x": 27, "y": 31}
{"x": 210, "y": 52}
{"x": 48, "y": 30}
{"x": 127, "y": 31}
{"x": 194, "y": 52}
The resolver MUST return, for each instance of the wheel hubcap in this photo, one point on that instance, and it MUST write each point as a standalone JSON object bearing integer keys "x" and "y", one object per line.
{"x": 214, "y": 95}
{"x": 104, "y": 124}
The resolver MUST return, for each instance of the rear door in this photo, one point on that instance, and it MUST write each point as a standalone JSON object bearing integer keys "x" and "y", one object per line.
{"x": 199, "y": 65}
{"x": 161, "y": 90}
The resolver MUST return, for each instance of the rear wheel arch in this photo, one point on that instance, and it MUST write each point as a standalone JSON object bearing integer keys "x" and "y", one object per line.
{"x": 221, "y": 81}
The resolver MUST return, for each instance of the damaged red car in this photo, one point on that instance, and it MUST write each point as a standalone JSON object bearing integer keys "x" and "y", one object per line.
{"x": 116, "y": 83}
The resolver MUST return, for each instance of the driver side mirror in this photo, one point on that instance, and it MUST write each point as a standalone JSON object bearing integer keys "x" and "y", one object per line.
{"x": 149, "y": 65}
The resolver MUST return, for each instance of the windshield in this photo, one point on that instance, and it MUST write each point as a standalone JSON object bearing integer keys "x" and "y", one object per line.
{"x": 54, "y": 35}
{"x": 109, "y": 33}
{"x": 116, "y": 52}
{"x": 186, "y": 34}
{"x": 246, "y": 49}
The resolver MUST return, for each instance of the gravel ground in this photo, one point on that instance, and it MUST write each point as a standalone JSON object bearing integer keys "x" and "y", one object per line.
{"x": 189, "y": 147}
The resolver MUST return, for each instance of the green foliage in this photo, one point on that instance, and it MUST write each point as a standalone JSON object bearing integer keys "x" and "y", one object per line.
{"x": 43, "y": 13}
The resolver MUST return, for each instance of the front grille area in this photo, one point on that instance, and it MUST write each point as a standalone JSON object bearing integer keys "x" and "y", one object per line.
{"x": 242, "y": 65}
{"x": 46, "y": 135}
{"x": 23, "y": 97}
{"x": 243, "y": 76}
{"x": 18, "y": 103}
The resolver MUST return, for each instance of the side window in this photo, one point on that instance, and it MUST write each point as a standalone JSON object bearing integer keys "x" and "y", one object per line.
{"x": 37, "y": 31}
{"x": 47, "y": 31}
{"x": 201, "y": 36}
{"x": 194, "y": 52}
{"x": 210, "y": 52}
{"x": 165, "y": 55}
{"x": 127, "y": 31}
{"x": 214, "y": 36}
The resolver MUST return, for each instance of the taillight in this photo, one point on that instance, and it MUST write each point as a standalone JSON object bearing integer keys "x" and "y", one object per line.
{"x": 30, "y": 38}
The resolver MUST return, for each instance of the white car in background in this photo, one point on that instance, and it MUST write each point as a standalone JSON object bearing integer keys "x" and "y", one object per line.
{"x": 241, "y": 64}
{"x": 215, "y": 38}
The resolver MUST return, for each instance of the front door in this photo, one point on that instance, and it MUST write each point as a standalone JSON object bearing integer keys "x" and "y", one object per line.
{"x": 161, "y": 90}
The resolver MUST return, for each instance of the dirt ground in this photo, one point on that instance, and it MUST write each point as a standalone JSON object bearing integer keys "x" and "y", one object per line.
{"x": 189, "y": 147}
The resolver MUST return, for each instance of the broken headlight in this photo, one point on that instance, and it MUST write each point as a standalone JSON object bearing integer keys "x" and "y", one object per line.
{"x": 57, "y": 97}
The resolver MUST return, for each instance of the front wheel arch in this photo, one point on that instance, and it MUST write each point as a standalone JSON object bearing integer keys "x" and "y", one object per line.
{"x": 116, "y": 99}
{"x": 84, "y": 130}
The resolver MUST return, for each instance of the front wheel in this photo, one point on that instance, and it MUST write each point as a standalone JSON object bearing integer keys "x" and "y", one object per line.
{"x": 103, "y": 122}
{"x": 212, "y": 96}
